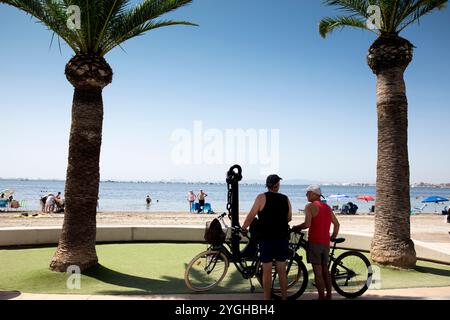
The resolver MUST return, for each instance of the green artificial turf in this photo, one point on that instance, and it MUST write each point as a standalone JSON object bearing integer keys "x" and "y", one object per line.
{"x": 159, "y": 269}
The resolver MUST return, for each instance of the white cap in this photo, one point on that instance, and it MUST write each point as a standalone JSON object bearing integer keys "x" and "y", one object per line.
{"x": 314, "y": 189}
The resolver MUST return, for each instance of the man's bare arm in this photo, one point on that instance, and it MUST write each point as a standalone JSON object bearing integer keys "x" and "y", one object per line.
{"x": 253, "y": 212}
{"x": 336, "y": 226}
{"x": 290, "y": 211}
{"x": 308, "y": 219}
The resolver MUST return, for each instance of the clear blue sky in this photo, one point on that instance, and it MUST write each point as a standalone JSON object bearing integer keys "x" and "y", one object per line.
{"x": 250, "y": 64}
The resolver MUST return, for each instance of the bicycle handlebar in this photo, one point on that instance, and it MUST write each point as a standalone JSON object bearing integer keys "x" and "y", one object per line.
{"x": 299, "y": 232}
{"x": 223, "y": 215}
{"x": 238, "y": 229}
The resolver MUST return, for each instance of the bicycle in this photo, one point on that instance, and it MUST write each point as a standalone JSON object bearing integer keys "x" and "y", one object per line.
{"x": 206, "y": 270}
{"x": 351, "y": 272}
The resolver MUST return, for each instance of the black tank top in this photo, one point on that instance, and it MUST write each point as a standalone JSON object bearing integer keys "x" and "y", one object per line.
{"x": 273, "y": 219}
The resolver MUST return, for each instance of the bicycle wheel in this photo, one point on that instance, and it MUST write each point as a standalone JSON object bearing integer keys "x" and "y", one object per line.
{"x": 206, "y": 270}
{"x": 297, "y": 279}
{"x": 351, "y": 274}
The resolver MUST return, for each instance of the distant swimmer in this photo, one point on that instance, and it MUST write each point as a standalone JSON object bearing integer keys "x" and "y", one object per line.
{"x": 148, "y": 200}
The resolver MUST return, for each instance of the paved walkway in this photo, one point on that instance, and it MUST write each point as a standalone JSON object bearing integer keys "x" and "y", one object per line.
{"x": 442, "y": 293}
{"x": 443, "y": 247}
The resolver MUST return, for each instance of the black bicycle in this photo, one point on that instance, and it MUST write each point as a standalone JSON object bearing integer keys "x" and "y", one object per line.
{"x": 351, "y": 272}
{"x": 206, "y": 270}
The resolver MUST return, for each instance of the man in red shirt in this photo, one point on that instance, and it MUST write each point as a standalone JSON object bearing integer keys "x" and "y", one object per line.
{"x": 318, "y": 218}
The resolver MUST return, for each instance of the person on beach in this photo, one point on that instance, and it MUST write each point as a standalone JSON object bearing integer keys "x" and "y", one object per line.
{"x": 10, "y": 200}
{"x": 191, "y": 199}
{"x": 274, "y": 213}
{"x": 43, "y": 201}
{"x": 59, "y": 203}
{"x": 318, "y": 218}
{"x": 148, "y": 200}
{"x": 2, "y": 196}
{"x": 201, "y": 200}
{"x": 50, "y": 203}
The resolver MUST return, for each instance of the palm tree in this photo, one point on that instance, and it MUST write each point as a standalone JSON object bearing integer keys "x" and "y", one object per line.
{"x": 103, "y": 25}
{"x": 388, "y": 57}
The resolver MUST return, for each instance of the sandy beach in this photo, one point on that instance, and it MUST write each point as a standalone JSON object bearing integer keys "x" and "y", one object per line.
{"x": 426, "y": 227}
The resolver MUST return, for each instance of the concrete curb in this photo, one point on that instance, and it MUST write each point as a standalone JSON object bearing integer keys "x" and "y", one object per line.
{"x": 441, "y": 293}
{"x": 38, "y": 236}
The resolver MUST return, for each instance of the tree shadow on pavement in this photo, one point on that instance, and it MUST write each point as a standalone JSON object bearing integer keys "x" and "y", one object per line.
{"x": 164, "y": 285}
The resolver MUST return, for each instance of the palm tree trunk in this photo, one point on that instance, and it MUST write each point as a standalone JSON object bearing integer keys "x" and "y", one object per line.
{"x": 77, "y": 241}
{"x": 392, "y": 244}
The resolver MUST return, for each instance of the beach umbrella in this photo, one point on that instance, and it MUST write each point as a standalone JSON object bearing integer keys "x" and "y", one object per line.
{"x": 8, "y": 192}
{"x": 366, "y": 198}
{"x": 338, "y": 196}
{"x": 436, "y": 200}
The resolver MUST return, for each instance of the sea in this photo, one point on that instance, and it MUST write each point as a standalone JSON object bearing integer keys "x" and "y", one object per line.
{"x": 170, "y": 196}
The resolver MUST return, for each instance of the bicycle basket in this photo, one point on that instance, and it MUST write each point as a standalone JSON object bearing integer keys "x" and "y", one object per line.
{"x": 214, "y": 234}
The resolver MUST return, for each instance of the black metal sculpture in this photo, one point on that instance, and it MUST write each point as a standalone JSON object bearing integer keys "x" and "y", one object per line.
{"x": 234, "y": 175}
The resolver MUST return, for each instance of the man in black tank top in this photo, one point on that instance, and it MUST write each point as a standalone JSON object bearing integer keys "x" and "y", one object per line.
{"x": 274, "y": 212}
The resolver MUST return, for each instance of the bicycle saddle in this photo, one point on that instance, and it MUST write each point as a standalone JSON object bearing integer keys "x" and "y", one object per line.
{"x": 338, "y": 240}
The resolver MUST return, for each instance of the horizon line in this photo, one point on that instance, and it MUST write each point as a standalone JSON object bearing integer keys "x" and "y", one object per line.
{"x": 251, "y": 181}
{"x": 297, "y": 181}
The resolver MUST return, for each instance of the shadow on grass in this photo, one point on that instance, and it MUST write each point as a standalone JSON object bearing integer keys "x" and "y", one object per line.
{"x": 135, "y": 285}
{"x": 166, "y": 285}
{"x": 232, "y": 283}
{"x": 435, "y": 271}
{"x": 236, "y": 280}
{"x": 368, "y": 296}
{"x": 7, "y": 295}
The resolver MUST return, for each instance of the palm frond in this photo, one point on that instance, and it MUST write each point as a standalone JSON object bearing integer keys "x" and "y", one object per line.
{"x": 354, "y": 7}
{"x": 396, "y": 15}
{"x": 329, "y": 24}
{"x": 389, "y": 9}
{"x": 414, "y": 10}
{"x": 358, "y": 15}
{"x": 140, "y": 30}
{"x": 140, "y": 19}
{"x": 47, "y": 13}
{"x": 109, "y": 10}
{"x": 105, "y": 24}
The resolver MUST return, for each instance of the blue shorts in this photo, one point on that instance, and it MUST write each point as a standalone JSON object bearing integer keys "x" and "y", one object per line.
{"x": 271, "y": 250}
